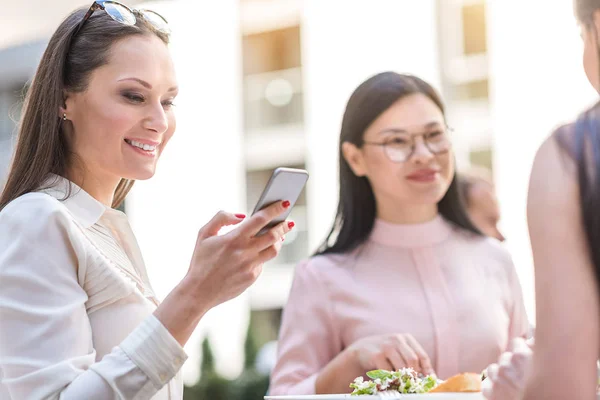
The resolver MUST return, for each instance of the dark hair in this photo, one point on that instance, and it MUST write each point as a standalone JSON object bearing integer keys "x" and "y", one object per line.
{"x": 356, "y": 209}
{"x": 464, "y": 187}
{"x": 581, "y": 141}
{"x": 65, "y": 66}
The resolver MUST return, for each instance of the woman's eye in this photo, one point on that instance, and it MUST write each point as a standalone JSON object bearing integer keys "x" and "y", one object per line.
{"x": 168, "y": 104}
{"x": 399, "y": 141}
{"x": 133, "y": 97}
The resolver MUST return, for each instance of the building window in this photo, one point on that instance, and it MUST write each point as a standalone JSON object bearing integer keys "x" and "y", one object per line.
{"x": 462, "y": 33}
{"x": 474, "y": 90}
{"x": 271, "y": 51}
{"x": 272, "y": 79}
{"x": 261, "y": 342}
{"x": 273, "y": 99}
{"x": 474, "y": 29}
{"x": 482, "y": 157}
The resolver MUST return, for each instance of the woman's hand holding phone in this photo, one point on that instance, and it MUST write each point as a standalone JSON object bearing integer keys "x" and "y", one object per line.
{"x": 224, "y": 266}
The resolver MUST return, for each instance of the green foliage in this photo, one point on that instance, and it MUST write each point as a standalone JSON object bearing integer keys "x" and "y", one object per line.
{"x": 250, "y": 385}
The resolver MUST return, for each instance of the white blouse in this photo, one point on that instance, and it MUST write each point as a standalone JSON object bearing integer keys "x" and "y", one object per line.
{"x": 76, "y": 306}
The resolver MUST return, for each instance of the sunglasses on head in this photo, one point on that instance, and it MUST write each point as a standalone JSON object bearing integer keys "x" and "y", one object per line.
{"x": 125, "y": 15}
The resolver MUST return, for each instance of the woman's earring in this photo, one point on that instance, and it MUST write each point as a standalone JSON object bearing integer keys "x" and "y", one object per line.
{"x": 64, "y": 116}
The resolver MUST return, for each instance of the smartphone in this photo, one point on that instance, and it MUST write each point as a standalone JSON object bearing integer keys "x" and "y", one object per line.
{"x": 284, "y": 184}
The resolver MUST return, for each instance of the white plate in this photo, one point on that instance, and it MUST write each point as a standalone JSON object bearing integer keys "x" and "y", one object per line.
{"x": 429, "y": 396}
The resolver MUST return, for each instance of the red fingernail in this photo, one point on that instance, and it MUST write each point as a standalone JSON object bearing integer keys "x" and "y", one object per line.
{"x": 240, "y": 216}
{"x": 291, "y": 224}
{"x": 282, "y": 238}
{"x": 286, "y": 204}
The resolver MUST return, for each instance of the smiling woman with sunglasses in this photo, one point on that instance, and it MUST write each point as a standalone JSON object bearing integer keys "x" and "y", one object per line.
{"x": 404, "y": 279}
{"x": 78, "y": 317}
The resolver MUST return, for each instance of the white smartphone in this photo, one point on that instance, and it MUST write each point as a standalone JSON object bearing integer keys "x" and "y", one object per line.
{"x": 284, "y": 184}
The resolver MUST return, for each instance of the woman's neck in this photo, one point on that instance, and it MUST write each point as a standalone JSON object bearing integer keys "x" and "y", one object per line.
{"x": 101, "y": 188}
{"x": 401, "y": 214}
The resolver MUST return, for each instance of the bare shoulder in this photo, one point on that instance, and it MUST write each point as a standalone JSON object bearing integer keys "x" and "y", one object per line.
{"x": 553, "y": 203}
{"x": 553, "y": 181}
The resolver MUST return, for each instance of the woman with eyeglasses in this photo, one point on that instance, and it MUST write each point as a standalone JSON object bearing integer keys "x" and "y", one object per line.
{"x": 404, "y": 279}
{"x": 78, "y": 317}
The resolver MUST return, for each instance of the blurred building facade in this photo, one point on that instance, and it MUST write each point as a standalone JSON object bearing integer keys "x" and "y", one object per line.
{"x": 264, "y": 84}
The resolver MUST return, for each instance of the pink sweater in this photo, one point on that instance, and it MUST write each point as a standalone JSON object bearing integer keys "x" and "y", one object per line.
{"x": 456, "y": 293}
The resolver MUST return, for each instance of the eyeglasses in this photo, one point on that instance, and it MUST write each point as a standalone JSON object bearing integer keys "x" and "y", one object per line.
{"x": 123, "y": 14}
{"x": 401, "y": 146}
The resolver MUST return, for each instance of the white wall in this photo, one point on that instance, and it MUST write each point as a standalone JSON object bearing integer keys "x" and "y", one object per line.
{"x": 537, "y": 83}
{"x": 202, "y": 170}
{"x": 343, "y": 44}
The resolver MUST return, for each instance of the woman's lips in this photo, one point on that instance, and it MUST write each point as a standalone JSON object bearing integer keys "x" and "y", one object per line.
{"x": 423, "y": 175}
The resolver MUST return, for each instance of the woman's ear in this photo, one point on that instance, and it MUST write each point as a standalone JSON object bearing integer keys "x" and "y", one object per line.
{"x": 63, "y": 110}
{"x": 354, "y": 157}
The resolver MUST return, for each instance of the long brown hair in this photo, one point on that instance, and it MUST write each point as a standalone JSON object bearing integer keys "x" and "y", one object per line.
{"x": 42, "y": 147}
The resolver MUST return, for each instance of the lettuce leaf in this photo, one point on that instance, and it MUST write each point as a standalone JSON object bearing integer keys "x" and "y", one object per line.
{"x": 379, "y": 374}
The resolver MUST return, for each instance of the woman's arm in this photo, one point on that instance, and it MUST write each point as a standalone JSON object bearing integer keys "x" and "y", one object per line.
{"x": 311, "y": 356}
{"x": 46, "y": 346}
{"x": 309, "y": 337}
{"x": 567, "y": 330}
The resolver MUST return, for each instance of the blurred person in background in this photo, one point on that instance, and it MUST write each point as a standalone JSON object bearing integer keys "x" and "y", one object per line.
{"x": 477, "y": 189}
{"x": 404, "y": 278}
{"x": 78, "y": 317}
{"x": 564, "y": 227}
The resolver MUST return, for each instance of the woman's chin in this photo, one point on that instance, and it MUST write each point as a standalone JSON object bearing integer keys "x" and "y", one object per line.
{"x": 433, "y": 195}
{"x": 140, "y": 174}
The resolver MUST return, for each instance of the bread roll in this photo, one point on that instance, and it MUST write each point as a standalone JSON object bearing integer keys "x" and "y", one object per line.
{"x": 467, "y": 382}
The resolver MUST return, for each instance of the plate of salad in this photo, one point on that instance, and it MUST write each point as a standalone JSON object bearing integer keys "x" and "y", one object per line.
{"x": 404, "y": 384}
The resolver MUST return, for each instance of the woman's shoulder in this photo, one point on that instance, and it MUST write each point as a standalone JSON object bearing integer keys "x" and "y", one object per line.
{"x": 571, "y": 138}
{"x": 556, "y": 157}
{"x": 481, "y": 245}
{"x": 323, "y": 264}
{"x": 37, "y": 227}
{"x": 33, "y": 210}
